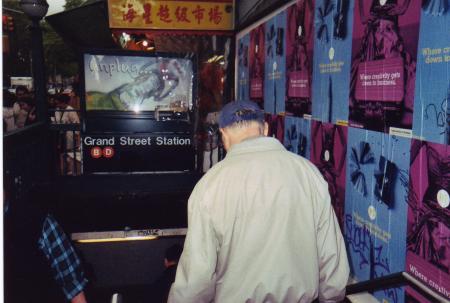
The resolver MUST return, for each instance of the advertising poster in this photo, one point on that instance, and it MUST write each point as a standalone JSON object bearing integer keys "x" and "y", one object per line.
{"x": 275, "y": 64}
{"x": 242, "y": 68}
{"x": 276, "y": 126}
{"x": 256, "y": 67}
{"x": 328, "y": 153}
{"x": 432, "y": 96}
{"x": 428, "y": 242}
{"x": 299, "y": 57}
{"x": 331, "y": 73}
{"x": 412, "y": 296}
{"x": 383, "y": 72}
{"x": 297, "y": 136}
{"x": 137, "y": 83}
{"x": 376, "y": 206}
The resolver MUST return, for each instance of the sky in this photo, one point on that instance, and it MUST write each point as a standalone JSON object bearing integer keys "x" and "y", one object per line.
{"x": 55, "y": 6}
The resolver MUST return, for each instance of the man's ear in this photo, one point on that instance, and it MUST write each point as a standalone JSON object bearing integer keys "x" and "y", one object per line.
{"x": 266, "y": 128}
{"x": 225, "y": 138}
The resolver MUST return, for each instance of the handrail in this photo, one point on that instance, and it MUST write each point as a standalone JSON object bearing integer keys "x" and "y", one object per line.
{"x": 425, "y": 291}
{"x": 387, "y": 281}
{"x": 395, "y": 280}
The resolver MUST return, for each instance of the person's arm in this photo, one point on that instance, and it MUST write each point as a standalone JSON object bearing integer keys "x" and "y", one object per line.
{"x": 195, "y": 278}
{"x": 58, "y": 116}
{"x": 16, "y": 108}
{"x": 80, "y": 298}
{"x": 63, "y": 260}
{"x": 73, "y": 117}
{"x": 333, "y": 263}
{"x": 8, "y": 112}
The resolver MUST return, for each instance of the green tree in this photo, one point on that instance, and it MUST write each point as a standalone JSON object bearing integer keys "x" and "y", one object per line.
{"x": 73, "y": 4}
{"x": 60, "y": 58}
{"x": 17, "y": 61}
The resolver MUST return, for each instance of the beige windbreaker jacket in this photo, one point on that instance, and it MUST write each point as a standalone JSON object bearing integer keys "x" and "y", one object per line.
{"x": 261, "y": 229}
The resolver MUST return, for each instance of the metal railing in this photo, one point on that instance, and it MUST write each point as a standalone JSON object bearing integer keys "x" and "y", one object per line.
{"x": 66, "y": 139}
{"x": 392, "y": 281}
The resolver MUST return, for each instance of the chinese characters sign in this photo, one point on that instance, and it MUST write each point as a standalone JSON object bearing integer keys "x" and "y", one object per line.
{"x": 181, "y": 15}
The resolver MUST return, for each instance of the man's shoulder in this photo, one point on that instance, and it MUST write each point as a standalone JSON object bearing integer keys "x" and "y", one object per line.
{"x": 212, "y": 173}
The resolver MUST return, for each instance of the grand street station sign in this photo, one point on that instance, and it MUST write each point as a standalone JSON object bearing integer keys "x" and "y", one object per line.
{"x": 138, "y": 153}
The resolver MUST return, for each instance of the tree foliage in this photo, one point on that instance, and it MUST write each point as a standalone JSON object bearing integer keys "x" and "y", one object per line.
{"x": 17, "y": 62}
{"x": 60, "y": 58}
{"x": 70, "y": 4}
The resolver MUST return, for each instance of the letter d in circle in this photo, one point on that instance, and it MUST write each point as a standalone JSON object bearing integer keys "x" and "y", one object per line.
{"x": 108, "y": 152}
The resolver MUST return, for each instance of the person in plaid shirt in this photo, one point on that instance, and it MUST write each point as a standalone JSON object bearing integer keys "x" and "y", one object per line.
{"x": 65, "y": 264}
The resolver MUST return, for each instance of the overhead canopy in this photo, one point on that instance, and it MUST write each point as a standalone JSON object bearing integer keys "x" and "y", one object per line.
{"x": 85, "y": 26}
{"x": 250, "y": 11}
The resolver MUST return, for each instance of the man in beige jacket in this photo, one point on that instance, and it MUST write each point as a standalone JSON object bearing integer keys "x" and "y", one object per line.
{"x": 260, "y": 224}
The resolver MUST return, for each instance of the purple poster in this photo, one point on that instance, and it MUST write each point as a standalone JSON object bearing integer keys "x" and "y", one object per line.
{"x": 297, "y": 136}
{"x": 256, "y": 68}
{"x": 412, "y": 296}
{"x": 242, "y": 68}
{"x": 328, "y": 153}
{"x": 428, "y": 242}
{"x": 299, "y": 57}
{"x": 383, "y": 72}
{"x": 276, "y": 126}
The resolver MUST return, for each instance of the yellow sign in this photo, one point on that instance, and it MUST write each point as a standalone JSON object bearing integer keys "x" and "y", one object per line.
{"x": 170, "y": 14}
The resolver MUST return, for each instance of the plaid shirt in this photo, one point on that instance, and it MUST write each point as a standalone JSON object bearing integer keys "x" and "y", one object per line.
{"x": 62, "y": 258}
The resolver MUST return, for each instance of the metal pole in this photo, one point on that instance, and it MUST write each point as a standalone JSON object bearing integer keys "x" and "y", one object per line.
{"x": 40, "y": 86}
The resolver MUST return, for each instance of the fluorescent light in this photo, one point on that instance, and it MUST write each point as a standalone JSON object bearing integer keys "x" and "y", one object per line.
{"x": 137, "y": 238}
{"x": 126, "y": 235}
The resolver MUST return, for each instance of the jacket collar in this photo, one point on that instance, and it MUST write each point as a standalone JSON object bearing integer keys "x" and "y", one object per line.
{"x": 255, "y": 144}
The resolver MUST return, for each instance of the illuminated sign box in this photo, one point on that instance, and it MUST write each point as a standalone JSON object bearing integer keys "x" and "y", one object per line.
{"x": 138, "y": 153}
{"x": 131, "y": 83}
{"x": 171, "y": 15}
{"x": 139, "y": 110}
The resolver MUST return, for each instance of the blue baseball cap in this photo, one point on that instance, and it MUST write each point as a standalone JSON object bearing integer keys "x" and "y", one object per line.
{"x": 237, "y": 111}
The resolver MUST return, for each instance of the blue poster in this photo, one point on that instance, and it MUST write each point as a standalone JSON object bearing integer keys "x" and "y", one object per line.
{"x": 242, "y": 68}
{"x": 332, "y": 57}
{"x": 275, "y": 64}
{"x": 297, "y": 136}
{"x": 432, "y": 92}
{"x": 376, "y": 206}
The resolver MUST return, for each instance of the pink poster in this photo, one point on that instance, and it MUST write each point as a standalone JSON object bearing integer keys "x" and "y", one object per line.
{"x": 328, "y": 153}
{"x": 383, "y": 71}
{"x": 412, "y": 296}
{"x": 256, "y": 68}
{"x": 428, "y": 242}
{"x": 276, "y": 126}
{"x": 299, "y": 57}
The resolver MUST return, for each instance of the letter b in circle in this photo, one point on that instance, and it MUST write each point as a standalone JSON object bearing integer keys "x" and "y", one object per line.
{"x": 96, "y": 152}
